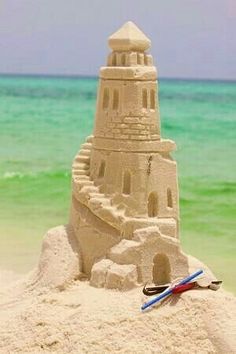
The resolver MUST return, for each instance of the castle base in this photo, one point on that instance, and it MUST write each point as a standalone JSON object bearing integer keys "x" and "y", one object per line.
{"x": 149, "y": 258}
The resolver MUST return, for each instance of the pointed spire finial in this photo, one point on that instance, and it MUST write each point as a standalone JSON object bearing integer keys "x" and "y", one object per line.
{"x": 129, "y": 37}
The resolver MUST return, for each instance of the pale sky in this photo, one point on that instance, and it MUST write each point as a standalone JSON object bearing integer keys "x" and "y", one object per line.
{"x": 190, "y": 38}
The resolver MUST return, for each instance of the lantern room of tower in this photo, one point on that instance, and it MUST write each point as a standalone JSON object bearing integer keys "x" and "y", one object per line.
{"x": 127, "y": 104}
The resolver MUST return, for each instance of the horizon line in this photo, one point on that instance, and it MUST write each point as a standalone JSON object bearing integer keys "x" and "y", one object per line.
{"x": 83, "y": 76}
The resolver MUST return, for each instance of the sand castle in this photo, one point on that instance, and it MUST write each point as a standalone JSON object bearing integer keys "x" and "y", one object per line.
{"x": 125, "y": 202}
{"x": 124, "y": 220}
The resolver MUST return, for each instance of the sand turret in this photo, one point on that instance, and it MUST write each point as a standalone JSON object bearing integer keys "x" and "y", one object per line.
{"x": 129, "y": 38}
{"x": 125, "y": 205}
{"x": 127, "y": 105}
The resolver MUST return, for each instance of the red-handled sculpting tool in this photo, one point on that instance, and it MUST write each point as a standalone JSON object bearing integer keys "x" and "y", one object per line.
{"x": 181, "y": 288}
{"x": 169, "y": 291}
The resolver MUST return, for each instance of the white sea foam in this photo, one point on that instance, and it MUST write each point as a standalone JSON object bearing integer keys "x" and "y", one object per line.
{"x": 13, "y": 174}
{"x": 7, "y": 175}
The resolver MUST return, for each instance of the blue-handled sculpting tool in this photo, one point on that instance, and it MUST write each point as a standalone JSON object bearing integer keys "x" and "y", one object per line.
{"x": 170, "y": 290}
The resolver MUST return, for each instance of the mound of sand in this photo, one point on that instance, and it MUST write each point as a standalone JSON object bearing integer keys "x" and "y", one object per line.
{"x": 83, "y": 319}
{"x": 50, "y": 310}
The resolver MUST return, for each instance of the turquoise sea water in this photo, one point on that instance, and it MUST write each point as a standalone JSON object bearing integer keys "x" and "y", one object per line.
{"x": 43, "y": 122}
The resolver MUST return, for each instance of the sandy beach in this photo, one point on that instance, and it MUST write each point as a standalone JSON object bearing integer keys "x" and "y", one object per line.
{"x": 83, "y": 319}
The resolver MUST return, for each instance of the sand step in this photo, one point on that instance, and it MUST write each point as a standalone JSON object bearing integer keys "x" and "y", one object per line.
{"x": 110, "y": 215}
{"x": 97, "y": 195}
{"x": 85, "y": 152}
{"x": 89, "y": 189}
{"x": 83, "y": 193}
{"x": 101, "y": 198}
{"x": 80, "y": 166}
{"x": 87, "y": 146}
{"x": 95, "y": 203}
{"x": 84, "y": 178}
{"x": 83, "y": 182}
{"x": 81, "y": 172}
{"x": 82, "y": 158}
{"x": 89, "y": 139}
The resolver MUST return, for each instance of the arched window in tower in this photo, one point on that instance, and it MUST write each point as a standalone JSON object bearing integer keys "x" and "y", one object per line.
{"x": 139, "y": 59}
{"x": 102, "y": 167}
{"x": 152, "y": 99}
{"x": 169, "y": 198}
{"x": 123, "y": 59}
{"x": 144, "y": 98}
{"x": 126, "y": 183}
{"x": 152, "y": 205}
{"x": 113, "y": 59}
{"x": 115, "y": 103}
{"x": 105, "y": 103}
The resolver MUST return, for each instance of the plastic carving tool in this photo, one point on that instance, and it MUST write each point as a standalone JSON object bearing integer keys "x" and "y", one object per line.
{"x": 170, "y": 290}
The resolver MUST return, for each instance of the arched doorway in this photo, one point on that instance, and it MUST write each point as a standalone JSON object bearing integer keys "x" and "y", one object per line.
{"x": 161, "y": 269}
{"x": 152, "y": 205}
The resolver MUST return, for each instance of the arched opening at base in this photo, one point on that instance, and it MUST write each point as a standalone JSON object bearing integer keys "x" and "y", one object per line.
{"x": 161, "y": 269}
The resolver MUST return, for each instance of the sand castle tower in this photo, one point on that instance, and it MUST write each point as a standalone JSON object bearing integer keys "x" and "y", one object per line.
{"x": 125, "y": 204}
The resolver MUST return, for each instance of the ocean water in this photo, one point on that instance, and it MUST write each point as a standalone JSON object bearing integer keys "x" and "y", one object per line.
{"x": 43, "y": 122}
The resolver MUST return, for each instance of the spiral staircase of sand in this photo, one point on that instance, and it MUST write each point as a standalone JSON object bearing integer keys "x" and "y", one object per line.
{"x": 88, "y": 194}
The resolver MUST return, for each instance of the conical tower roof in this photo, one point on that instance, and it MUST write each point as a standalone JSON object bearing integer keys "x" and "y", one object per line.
{"x": 129, "y": 37}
